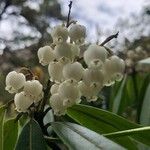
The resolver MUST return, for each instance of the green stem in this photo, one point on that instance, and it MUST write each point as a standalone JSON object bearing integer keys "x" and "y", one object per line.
{"x": 46, "y": 96}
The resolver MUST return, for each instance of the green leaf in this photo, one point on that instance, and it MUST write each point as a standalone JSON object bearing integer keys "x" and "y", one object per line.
{"x": 103, "y": 122}
{"x": 77, "y": 137}
{"x": 48, "y": 148}
{"x": 136, "y": 131}
{"x": 2, "y": 113}
{"x": 31, "y": 137}
{"x": 113, "y": 91}
{"x": 145, "y": 61}
{"x": 132, "y": 132}
{"x": 130, "y": 90}
{"x": 142, "y": 84}
{"x": 10, "y": 134}
{"x": 118, "y": 99}
{"x": 143, "y": 106}
{"x": 145, "y": 112}
{"x": 21, "y": 122}
{"x": 48, "y": 118}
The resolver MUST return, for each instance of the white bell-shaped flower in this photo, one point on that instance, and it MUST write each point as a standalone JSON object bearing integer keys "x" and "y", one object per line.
{"x": 108, "y": 73}
{"x": 107, "y": 67}
{"x": 90, "y": 92}
{"x": 56, "y": 103}
{"x": 75, "y": 51}
{"x": 59, "y": 34}
{"x": 63, "y": 50}
{"x": 14, "y": 81}
{"x": 96, "y": 64}
{"x": 33, "y": 89}
{"x": 95, "y": 52}
{"x": 91, "y": 76}
{"x": 108, "y": 78}
{"x": 45, "y": 55}
{"x": 73, "y": 71}
{"x": 39, "y": 98}
{"x": 54, "y": 88}
{"x": 55, "y": 71}
{"x": 22, "y": 102}
{"x": 114, "y": 68}
{"x": 118, "y": 76}
{"x": 117, "y": 64}
{"x": 69, "y": 91}
{"x": 77, "y": 33}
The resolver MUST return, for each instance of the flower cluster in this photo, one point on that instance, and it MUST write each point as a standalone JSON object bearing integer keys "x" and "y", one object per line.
{"x": 27, "y": 92}
{"x": 134, "y": 56}
{"x": 71, "y": 78}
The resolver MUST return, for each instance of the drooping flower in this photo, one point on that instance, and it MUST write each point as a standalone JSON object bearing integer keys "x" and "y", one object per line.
{"x": 14, "y": 81}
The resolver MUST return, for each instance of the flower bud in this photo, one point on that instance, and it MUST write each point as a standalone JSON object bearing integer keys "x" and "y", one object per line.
{"x": 22, "y": 102}
{"x": 63, "y": 50}
{"x": 56, "y": 103}
{"x": 59, "y": 34}
{"x": 77, "y": 33}
{"x": 73, "y": 71}
{"x": 69, "y": 92}
{"x": 95, "y": 52}
{"x": 45, "y": 55}
{"x": 33, "y": 89}
{"x": 14, "y": 81}
{"x": 55, "y": 72}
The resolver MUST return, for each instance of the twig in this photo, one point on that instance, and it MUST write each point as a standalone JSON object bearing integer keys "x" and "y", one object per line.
{"x": 72, "y": 22}
{"x": 109, "y": 38}
{"x": 46, "y": 95}
{"x": 109, "y": 51}
{"x": 68, "y": 17}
